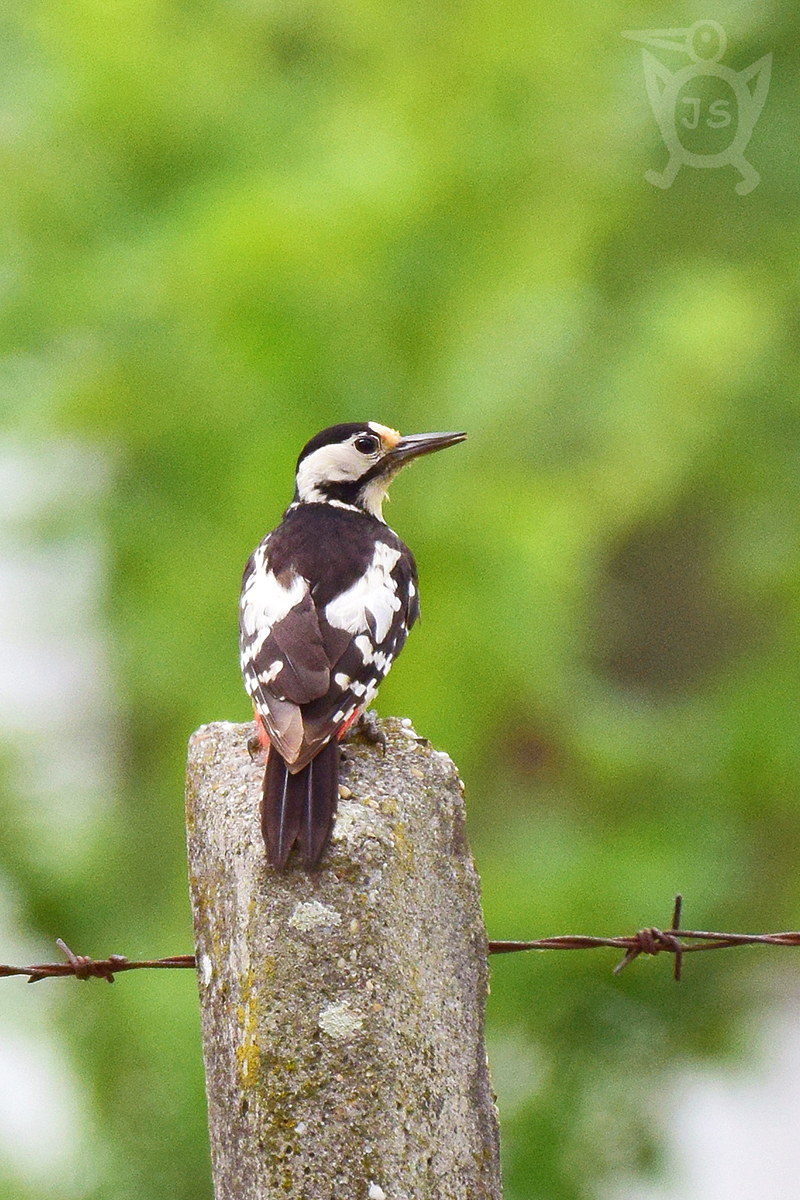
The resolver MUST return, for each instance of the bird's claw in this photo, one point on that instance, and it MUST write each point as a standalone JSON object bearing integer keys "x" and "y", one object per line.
{"x": 368, "y": 728}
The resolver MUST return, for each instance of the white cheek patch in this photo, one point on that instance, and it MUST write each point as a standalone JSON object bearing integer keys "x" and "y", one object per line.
{"x": 337, "y": 463}
{"x": 375, "y": 593}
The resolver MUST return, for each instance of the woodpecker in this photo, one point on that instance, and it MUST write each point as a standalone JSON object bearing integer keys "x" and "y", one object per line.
{"x": 327, "y": 601}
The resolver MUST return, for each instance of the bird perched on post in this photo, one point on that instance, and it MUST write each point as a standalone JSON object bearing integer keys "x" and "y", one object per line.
{"x": 327, "y": 601}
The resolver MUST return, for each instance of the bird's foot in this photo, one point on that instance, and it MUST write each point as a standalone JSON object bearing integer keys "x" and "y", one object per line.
{"x": 365, "y": 728}
{"x": 254, "y": 747}
{"x": 368, "y": 728}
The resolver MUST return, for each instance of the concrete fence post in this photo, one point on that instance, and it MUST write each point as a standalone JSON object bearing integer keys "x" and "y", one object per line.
{"x": 342, "y": 1010}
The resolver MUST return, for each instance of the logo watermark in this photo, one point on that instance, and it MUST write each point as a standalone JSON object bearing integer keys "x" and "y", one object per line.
{"x": 706, "y": 111}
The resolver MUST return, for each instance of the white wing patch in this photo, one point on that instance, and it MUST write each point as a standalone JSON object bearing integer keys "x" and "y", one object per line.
{"x": 375, "y": 593}
{"x": 272, "y": 672}
{"x": 266, "y": 601}
{"x": 364, "y": 647}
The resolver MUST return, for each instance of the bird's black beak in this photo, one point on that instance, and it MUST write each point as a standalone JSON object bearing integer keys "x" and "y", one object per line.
{"x": 417, "y": 444}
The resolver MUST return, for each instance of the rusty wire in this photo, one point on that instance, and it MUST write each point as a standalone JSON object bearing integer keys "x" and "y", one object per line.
{"x": 650, "y": 941}
{"x": 654, "y": 941}
{"x": 92, "y": 968}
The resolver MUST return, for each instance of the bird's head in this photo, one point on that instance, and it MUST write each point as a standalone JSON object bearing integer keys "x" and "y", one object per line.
{"x": 354, "y": 464}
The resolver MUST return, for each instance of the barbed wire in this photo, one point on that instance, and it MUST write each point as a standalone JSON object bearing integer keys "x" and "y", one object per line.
{"x": 650, "y": 941}
{"x": 92, "y": 968}
{"x": 654, "y": 941}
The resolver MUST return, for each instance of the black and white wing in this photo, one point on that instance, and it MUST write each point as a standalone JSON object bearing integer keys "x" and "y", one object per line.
{"x": 311, "y": 660}
{"x": 285, "y": 662}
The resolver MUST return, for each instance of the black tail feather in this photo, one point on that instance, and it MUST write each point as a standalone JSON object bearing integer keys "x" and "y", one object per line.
{"x": 299, "y": 808}
{"x": 281, "y": 808}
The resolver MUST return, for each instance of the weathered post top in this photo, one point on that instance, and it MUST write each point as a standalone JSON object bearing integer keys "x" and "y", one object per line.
{"x": 342, "y": 1010}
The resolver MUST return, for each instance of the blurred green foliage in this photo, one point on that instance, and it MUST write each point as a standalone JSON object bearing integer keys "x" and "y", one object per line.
{"x": 229, "y": 223}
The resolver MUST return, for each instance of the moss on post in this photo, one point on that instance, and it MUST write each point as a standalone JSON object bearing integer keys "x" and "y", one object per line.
{"x": 342, "y": 1010}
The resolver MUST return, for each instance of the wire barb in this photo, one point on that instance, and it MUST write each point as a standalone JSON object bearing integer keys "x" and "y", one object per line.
{"x": 83, "y": 967}
{"x": 654, "y": 941}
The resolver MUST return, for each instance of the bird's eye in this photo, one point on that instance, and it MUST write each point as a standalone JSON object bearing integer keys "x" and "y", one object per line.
{"x": 367, "y": 444}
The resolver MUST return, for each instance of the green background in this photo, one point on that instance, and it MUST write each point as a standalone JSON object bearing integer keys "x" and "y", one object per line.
{"x": 228, "y": 224}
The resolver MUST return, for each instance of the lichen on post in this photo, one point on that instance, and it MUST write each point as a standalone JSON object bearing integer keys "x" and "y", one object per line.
{"x": 342, "y": 1009}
